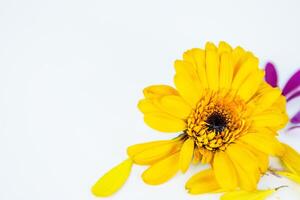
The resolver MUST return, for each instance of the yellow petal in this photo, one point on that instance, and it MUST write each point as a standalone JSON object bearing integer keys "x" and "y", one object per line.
{"x": 289, "y": 175}
{"x": 246, "y": 166}
{"x": 202, "y": 182}
{"x": 210, "y": 46}
{"x": 272, "y": 119}
{"x": 226, "y": 71}
{"x": 192, "y": 55}
{"x": 291, "y": 159}
{"x": 187, "y": 82}
{"x": 267, "y": 98}
{"x": 264, "y": 142}
{"x": 244, "y": 195}
{"x": 207, "y": 155}
{"x": 158, "y": 152}
{"x": 156, "y": 91}
{"x": 147, "y": 106}
{"x": 224, "y": 47}
{"x": 162, "y": 171}
{"x": 113, "y": 180}
{"x": 138, "y": 148}
{"x": 186, "y": 154}
{"x": 175, "y": 106}
{"x": 224, "y": 171}
{"x": 197, "y": 57}
{"x": 279, "y": 104}
{"x": 251, "y": 85}
{"x": 245, "y": 70}
{"x": 197, "y": 156}
{"x": 212, "y": 69}
{"x": 262, "y": 158}
{"x": 238, "y": 57}
{"x": 164, "y": 122}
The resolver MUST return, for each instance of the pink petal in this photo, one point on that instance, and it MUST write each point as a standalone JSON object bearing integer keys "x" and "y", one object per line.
{"x": 294, "y": 95}
{"x": 296, "y": 118}
{"x": 292, "y": 83}
{"x": 271, "y": 74}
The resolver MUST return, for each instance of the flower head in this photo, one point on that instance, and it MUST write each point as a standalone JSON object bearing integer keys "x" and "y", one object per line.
{"x": 225, "y": 115}
{"x": 223, "y": 105}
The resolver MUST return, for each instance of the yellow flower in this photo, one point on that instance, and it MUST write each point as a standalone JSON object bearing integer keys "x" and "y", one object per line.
{"x": 225, "y": 111}
{"x": 226, "y": 114}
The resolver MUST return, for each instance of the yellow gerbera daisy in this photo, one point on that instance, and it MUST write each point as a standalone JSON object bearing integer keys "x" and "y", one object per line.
{"x": 226, "y": 115}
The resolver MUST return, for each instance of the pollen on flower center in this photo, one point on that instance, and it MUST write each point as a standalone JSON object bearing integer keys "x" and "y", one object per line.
{"x": 216, "y": 121}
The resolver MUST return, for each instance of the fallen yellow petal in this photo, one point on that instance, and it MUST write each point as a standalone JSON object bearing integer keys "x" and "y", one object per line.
{"x": 113, "y": 180}
{"x": 291, "y": 159}
{"x": 289, "y": 175}
{"x": 244, "y": 195}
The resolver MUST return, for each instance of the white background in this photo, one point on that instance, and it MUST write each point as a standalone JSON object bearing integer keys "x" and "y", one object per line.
{"x": 71, "y": 73}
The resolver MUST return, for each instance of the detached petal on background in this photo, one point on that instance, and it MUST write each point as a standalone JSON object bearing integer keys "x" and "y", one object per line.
{"x": 113, "y": 180}
{"x": 271, "y": 74}
{"x": 244, "y": 195}
{"x": 296, "y": 118}
{"x": 291, "y": 159}
{"x": 293, "y": 127}
{"x": 293, "y": 96}
{"x": 292, "y": 83}
{"x": 289, "y": 175}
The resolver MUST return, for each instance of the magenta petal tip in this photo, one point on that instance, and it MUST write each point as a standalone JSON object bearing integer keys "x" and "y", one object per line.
{"x": 271, "y": 74}
{"x": 292, "y": 83}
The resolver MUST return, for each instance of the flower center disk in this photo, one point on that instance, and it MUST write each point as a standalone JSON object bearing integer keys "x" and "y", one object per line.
{"x": 217, "y": 121}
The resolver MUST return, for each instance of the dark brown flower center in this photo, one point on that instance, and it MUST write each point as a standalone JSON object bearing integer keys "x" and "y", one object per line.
{"x": 216, "y": 122}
